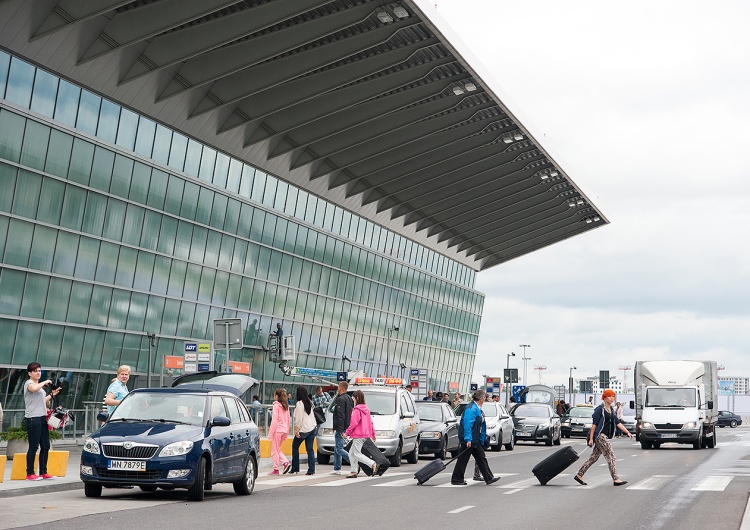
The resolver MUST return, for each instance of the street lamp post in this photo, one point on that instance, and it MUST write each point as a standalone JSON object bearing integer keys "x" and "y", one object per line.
{"x": 525, "y": 359}
{"x": 570, "y": 385}
{"x": 507, "y": 371}
{"x": 391, "y": 331}
{"x": 151, "y": 337}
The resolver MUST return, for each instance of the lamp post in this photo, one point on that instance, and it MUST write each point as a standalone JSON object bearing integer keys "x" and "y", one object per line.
{"x": 151, "y": 337}
{"x": 507, "y": 371}
{"x": 570, "y": 385}
{"x": 525, "y": 359}
{"x": 391, "y": 331}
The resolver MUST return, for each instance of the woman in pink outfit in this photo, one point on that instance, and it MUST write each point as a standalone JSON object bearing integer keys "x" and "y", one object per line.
{"x": 279, "y": 430}
{"x": 360, "y": 428}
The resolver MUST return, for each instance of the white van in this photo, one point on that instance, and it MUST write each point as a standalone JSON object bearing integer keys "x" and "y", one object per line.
{"x": 396, "y": 423}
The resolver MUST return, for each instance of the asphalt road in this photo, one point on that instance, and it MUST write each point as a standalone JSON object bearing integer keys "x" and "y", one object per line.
{"x": 672, "y": 487}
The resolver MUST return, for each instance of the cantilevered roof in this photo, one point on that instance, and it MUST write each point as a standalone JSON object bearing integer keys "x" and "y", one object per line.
{"x": 365, "y": 103}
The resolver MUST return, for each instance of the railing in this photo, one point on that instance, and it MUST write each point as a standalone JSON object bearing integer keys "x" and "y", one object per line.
{"x": 74, "y": 428}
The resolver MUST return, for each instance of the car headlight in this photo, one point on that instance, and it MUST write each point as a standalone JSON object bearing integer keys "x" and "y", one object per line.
{"x": 491, "y": 424}
{"x": 587, "y": 425}
{"x": 691, "y": 425}
{"x": 565, "y": 422}
{"x": 647, "y": 425}
{"x": 385, "y": 434}
{"x": 176, "y": 449}
{"x": 543, "y": 425}
{"x": 91, "y": 446}
{"x": 430, "y": 434}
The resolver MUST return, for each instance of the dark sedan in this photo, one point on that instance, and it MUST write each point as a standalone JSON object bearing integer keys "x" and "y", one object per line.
{"x": 577, "y": 421}
{"x": 438, "y": 429}
{"x": 729, "y": 419}
{"x": 188, "y": 437}
{"x": 536, "y": 422}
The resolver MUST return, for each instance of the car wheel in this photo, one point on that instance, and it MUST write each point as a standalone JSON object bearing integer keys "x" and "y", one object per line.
{"x": 246, "y": 484}
{"x": 511, "y": 445}
{"x": 645, "y": 445}
{"x": 197, "y": 491}
{"x": 324, "y": 459}
{"x": 549, "y": 442}
{"x": 148, "y": 488}
{"x": 92, "y": 490}
{"x": 413, "y": 457}
{"x": 396, "y": 458}
{"x": 443, "y": 453}
{"x": 656, "y": 445}
{"x": 558, "y": 441}
{"x": 733, "y": 424}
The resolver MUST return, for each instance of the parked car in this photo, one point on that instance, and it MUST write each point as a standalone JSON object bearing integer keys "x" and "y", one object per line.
{"x": 438, "y": 429}
{"x": 499, "y": 424}
{"x": 396, "y": 424}
{"x": 577, "y": 421}
{"x": 536, "y": 422}
{"x": 192, "y": 436}
{"x": 729, "y": 419}
{"x": 629, "y": 421}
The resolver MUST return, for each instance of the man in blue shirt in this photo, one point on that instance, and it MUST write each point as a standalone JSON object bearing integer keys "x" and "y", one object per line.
{"x": 472, "y": 432}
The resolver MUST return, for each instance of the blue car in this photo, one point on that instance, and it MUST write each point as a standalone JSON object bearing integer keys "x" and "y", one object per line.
{"x": 192, "y": 436}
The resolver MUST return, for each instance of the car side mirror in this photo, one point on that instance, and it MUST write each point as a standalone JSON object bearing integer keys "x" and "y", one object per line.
{"x": 504, "y": 417}
{"x": 102, "y": 416}
{"x": 710, "y": 404}
{"x": 632, "y": 404}
{"x": 221, "y": 421}
{"x": 407, "y": 414}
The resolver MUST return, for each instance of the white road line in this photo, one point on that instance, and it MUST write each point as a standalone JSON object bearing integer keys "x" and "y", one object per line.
{"x": 590, "y": 483}
{"x": 520, "y": 484}
{"x": 397, "y": 483}
{"x": 349, "y": 481}
{"x": 713, "y": 483}
{"x": 745, "y": 525}
{"x": 512, "y": 491}
{"x": 651, "y": 483}
{"x": 462, "y": 509}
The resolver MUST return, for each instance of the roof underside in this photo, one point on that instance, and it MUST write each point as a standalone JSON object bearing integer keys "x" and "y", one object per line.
{"x": 361, "y": 102}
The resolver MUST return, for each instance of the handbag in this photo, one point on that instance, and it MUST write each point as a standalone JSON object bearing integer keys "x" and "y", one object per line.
{"x": 320, "y": 415}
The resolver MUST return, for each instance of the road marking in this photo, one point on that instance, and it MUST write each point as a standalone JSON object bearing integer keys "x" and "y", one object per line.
{"x": 397, "y": 483}
{"x": 651, "y": 483}
{"x": 462, "y": 509}
{"x": 347, "y": 482}
{"x": 512, "y": 491}
{"x": 713, "y": 483}
{"x": 745, "y": 524}
{"x": 520, "y": 484}
{"x": 590, "y": 484}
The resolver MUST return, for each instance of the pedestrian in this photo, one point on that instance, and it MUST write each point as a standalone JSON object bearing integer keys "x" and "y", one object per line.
{"x": 591, "y": 400}
{"x": 360, "y": 428}
{"x": 472, "y": 432}
{"x": 342, "y": 412}
{"x": 456, "y": 400}
{"x": 496, "y": 399}
{"x": 429, "y": 397}
{"x": 117, "y": 390}
{"x": 560, "y": 408}
{"x": 446, "y": 397}
{"x": 618, "y": 411}
{"x": 279, "y": 430}
{"x": 321, "y": 399}
{"x": 305, "y": 430}
{"x": 409, "y": 388}
{"x": 604, "y": 424}
{"x": 35, "y": 417}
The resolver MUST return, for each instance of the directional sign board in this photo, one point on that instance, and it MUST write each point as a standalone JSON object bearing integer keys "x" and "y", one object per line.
{"x": 315, "y": 372}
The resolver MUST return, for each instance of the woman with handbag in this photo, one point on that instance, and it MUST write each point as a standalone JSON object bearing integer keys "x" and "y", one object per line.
{"x": 305, "y": 430}
{"x": 279, "y": 430}
{"x": 35, "y": 417}
{"x": 360, "y": 428}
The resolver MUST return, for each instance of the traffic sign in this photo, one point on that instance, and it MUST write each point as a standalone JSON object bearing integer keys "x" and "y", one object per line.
{"x": 315, "y": 372}
{"x": 603, "y": 379}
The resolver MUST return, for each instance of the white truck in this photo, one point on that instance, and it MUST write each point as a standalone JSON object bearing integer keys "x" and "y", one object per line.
{"x": 676, "y": 401}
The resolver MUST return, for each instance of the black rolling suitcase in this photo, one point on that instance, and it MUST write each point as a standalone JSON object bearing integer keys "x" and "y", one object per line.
{"x": 370, "y": 450}
{"x": 555, "y": 464}
{"x": 433, "y": 468}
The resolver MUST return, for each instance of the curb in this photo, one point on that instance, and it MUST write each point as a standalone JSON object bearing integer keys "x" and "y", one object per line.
{"x": 51, "y": 488}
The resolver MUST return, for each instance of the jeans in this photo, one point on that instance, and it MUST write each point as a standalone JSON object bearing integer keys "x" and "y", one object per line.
{"x": 309, "y": 439}
{"x": 339, "y": 452}
{"x": 38, "y": 435}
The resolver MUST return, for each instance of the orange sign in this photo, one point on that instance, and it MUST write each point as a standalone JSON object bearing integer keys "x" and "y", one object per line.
{"x": 393, "y": 381}
{"x": 452, "y": 385}
{"x": 363, "y": 381}
{"x": 174, "y": 361}
{"x": 239, "y": 368}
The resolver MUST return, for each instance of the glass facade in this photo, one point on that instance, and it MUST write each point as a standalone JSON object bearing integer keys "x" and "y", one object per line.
{"x": 112, "y": 225}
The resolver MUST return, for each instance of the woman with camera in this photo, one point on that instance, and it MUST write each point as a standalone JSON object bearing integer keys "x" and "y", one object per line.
{"x": 35, "y": 414}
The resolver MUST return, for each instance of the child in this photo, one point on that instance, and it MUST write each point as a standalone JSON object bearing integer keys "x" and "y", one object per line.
{"x": 279, "y": 430}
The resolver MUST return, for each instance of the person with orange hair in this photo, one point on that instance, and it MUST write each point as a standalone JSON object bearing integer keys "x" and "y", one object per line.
{"x": 604, "y": 424}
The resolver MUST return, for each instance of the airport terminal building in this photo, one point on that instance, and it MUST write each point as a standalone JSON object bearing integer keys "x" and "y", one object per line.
{"x": 333, "y": 166}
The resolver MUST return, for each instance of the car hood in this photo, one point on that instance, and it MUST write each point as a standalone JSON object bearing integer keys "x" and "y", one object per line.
{"x": 148, "y": 432}
{"x": 528, "y": 420}
{"x": 431, "y": 425}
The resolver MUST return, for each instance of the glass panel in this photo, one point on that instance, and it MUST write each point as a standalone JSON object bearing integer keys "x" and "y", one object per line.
{"x": 177, "y": 278}
{"x": 80, "y": 162}
{"x": 18, "y": 247}
{"x": 185, "y": 319}
{"x": 118, "y": 312}
{"x": 312, "y": 203}
{"x": 11, "y": 135}
{"x": 26, "y": 197}
{"x": 162, "y": 144}
{"x": 144, "y": 269}
{"x": 269, "y": 194}
{"x": 121, "y": 173}
{"x": 203, "y": 206}
{"x": 65, "y": 255}
{"x": 213, "y": 243}
{"x": 80, "y": 302}
{"x": 208, "y": 159}
{"x": 88, "y": 112}
{"x": 34, "y": 151}
{"x": 193, "y": 157}
{"x": 177, "y": 151}
{"x": 198, "y": 244}
{"x": 239, "y": 256}
{"x": 107, "y": 266}
{"x": 58, "y": 155}
{"x": 93, "y": 349}
{"x": 101, "y": 169}
{"x": 182, "y": 241}
{"x": 144, "y": 141}
{"x": 126, "y": 267}
{"x": 57, "y": 303}
{"x": 232, "y": 216}
{"x": 133, "y": 225}
{"x": 259, "y": 185}
{"x": 4, "y": 65}
{"x": 43, "y": 248}
{"x": 139, "y": 182}
{"x": 11, "y": 291}
{"x": 151, "y": 228}
{"x": 234, "y": 176}
{"x": 189, "y": 200}
{"x": 34, "y": 296}
{"x": 7, "y": 182}
{"x": 220, "y": 170}
{"x": 173, "y": 200}
{"x": 20, "y": 82}
{"x": 66, "y": 108}
{"x": 45, "y": 91}
{"x": 157, "y": 191}
{"x": 27, "y": 342}
{"x": 127, "y": 129}
{"x": 247, "y": 182}
{"x": 88, "y": 253}
{"x": 109, "y": 116}
{"x": 115, "y": 219}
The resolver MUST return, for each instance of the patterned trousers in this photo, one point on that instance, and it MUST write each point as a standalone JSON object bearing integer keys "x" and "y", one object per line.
{"x": 601, "y": 447}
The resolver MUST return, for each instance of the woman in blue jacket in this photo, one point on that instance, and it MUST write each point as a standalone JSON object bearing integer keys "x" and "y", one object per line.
{"x": 603, "y": 426}
{"x": 472, "y": 432}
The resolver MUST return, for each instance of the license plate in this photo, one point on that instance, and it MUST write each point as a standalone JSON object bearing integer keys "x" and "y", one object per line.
{"x": 523, "y": 434}
{"x": 670, "y": 435}
{"x": 127, "y": 465}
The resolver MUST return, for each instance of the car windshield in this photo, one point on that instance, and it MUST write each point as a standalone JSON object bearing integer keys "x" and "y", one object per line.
{"x": 530, "y": 411}
{"x": 670, "y": 397}
{"x": 489, "y": 409}
{"x": 429, "y": 412}
{"x": 581, "y": 412}
{"x": 169, "y": 407}
{"x": 380, "y": 403}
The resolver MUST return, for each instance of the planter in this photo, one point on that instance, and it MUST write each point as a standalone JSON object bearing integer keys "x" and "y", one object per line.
{"x": 16, "y": 446}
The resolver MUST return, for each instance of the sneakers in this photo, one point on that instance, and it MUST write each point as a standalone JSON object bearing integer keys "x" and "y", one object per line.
{"x": 493, "y": 480}
{"x": 274, "y": 472}
{"x": 287, "y": 467}
{"x": 335, "y": 472}
{"x": 33, "y": 477}
{"x": 47, "y": 476}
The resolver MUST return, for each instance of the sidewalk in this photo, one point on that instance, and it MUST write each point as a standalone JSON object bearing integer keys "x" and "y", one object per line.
{"x": 72, "y": 480}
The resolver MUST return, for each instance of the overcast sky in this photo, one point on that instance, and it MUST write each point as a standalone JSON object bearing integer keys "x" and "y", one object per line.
{"x": 646, "y": 105}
